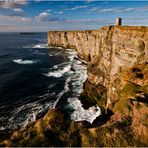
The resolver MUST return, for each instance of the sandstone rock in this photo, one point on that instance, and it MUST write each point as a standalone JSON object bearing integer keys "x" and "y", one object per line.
{"x": 117, "y": 76}
{"x": 110, "y": 49}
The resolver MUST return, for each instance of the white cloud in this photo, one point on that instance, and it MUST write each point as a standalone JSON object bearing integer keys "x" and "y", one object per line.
{"x": 89, "y": 1}
{"x": 136, "y": 18}
{"x": 46, "y": 17}
{"x": 109, "y": 10}
{"x": 76, "y": 7}
{"x": 25, "y": 19}
{"x": 142, "y": 9}
{"x": 60, "y": 12}
{"x": 122, "y": 10}
{"x": 18, "y": 9}
{"x": 12, "y": 3}
{"x": 49, "y": 10}
{"x": 17, "y": 19}
{"x": 118, "y": 10}
{"x": 87, "y": 21}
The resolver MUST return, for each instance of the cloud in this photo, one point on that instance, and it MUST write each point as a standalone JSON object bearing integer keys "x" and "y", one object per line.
{"x": 18, "y": 9}
{"x": 18, "y": 19}
{"x": 109, "y": 10}
{"x": 89, "y": 1}
{"x": 136, "y": 18}
{"x": 105, "y": 10}
{"x": 87, "y": 21}
{"x": 118, "y": 10}
{"x": 12, "y": 3}
{"x": 60, "y": 12}
{"x": 46, "y": 17}
{"x": 49, "y": 10}
{"x": 76, "y": 7}
{"x": 22, "y": 14}
{"x": 14, "y": 28}
{"x": 133, "y": 9}
{"x": 138, "y": 9}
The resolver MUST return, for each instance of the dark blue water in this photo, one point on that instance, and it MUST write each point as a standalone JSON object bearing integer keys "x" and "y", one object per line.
{"x": 35, "y": 77}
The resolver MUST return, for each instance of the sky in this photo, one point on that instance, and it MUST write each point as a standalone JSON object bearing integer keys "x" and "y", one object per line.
{"x": 42, "y": 16}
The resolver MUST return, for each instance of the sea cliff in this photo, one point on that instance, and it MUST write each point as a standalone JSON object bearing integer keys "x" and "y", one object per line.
{"x": 117, "y": 81}
{"x": 108, "y": 50}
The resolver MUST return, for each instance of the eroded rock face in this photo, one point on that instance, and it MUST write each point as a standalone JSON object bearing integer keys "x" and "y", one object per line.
{"x": 117, "y": 70}
{"x": 109, "y": 50}
{"x": 128, "y": 126}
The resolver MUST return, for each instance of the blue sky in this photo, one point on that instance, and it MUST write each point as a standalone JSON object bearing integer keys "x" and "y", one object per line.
{"x": 39, "y": 15}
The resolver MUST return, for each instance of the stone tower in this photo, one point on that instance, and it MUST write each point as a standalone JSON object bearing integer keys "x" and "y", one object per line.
{"x": 118, "y": 22}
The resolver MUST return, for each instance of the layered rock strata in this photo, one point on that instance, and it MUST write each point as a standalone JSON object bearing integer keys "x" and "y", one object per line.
{"x": 117, "y": 78}
{"x": 109, "y": 50}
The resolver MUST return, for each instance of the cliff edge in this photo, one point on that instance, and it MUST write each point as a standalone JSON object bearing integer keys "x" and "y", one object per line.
{"x": 117, "y": 81}
{"x": 109, "y": 51}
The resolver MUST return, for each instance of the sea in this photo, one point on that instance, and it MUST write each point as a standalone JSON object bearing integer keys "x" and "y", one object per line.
{"x": 35, "y": 77}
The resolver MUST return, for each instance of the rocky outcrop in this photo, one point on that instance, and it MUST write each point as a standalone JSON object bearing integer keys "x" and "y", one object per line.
{"x": 128, "y": 126}
{"x": 117, "y": 77}
{"x": 109, "y": 50}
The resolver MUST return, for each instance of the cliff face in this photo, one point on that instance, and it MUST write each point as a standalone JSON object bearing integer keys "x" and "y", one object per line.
{"x": 109, "y": 50}
{"x": 117, "y": 75}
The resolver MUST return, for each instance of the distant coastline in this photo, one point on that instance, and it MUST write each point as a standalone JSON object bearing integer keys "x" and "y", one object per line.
{"x": 31, "y": 33}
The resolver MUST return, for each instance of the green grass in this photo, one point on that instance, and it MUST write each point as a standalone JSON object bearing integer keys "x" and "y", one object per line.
{"x": 131, "y": 87}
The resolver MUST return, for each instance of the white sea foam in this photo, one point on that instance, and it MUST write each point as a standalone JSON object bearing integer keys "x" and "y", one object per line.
{"x": 66, "y": 89}
{"x": 58, "y": 73}
{"x": 27, "y": 113}
{"x": 55, "y": 53}
{"x": 58, "y": 66}
{"x": 76, "y": 75}
{"x": 39, "y": 53}
{"x": 57, "y": 47}
{"x": 40, "y": 46}
{"x": 77, "y": 80}
{"x": 80, "y": 114}
{"x": 20, "y": 61}
{"x": 52, "y": 85}
{"x": 2, "y": 128}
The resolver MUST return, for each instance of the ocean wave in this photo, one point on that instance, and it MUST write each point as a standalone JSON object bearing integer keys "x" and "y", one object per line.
{"x": 33, "y": 109}
{"x": 28, "y": 112}
{"x": 60, "y": 66}
{"x": 54, "y": 53}
{"x": 43, "y": 45}
{"x": 58, "y": 73}
{"x": 40, "y": 46}
{"x": 39, "y": 53}
{"x": 66, "y": 87}
{"x": 77, "y": 79}
{"x": 20, "y": 61}
{"x": 75, "y": 74}
{"x": 81, "y": 114}
{"x": 52, "y": 85}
